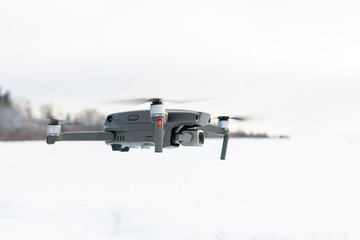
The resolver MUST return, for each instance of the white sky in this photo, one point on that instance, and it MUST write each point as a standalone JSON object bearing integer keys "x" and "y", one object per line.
{"x": 293, "y": 64}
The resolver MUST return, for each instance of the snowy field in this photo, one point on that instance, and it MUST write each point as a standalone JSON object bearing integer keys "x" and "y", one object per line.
{"x": 265, "y": 190}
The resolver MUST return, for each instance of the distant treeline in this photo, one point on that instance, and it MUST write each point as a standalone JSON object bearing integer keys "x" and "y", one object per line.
{"x": 17, "y": 122}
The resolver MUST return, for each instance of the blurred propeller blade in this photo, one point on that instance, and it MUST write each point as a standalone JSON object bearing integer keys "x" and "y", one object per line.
{"x": 138, "y": 101}
{"x": 187, "y": 100}
{"x": 51, "y": 121}
{"x": 237, "y": 118}
{"x": 240, "y": 118}
{"x": 135, "y": 101}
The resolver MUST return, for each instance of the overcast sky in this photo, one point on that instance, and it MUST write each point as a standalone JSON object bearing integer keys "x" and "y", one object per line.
{"x": 295, "y": 65}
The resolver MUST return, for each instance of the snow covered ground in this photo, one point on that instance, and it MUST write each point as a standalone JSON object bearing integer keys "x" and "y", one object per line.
{"x": 266, "y": 190}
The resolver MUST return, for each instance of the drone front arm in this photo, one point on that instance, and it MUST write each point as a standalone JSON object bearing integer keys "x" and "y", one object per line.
{"x": 80, "y": 136}
{"x": 220, "y": 131}
{"x": 214, "y": 129}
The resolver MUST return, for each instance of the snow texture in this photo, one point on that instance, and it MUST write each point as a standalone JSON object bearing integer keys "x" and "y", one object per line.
{"x": 266, "y": 190}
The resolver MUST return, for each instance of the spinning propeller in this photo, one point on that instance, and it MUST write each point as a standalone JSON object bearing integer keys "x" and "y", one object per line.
{"x": 54, "y": 125}
{"x": 138, "y": 101}
{"x": 233, "y": 118}
{"x": 224, "y": 120}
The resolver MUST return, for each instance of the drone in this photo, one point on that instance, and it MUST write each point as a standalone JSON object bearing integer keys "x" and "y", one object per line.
{"x": 156, "y": 127}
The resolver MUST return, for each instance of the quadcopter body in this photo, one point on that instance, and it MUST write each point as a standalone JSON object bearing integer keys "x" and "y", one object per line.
{"x": 158, "y": 127}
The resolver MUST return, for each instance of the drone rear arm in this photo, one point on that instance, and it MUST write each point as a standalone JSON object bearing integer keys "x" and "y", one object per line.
{"x": 220, "y": 131}
{"x": 80, "y": 136}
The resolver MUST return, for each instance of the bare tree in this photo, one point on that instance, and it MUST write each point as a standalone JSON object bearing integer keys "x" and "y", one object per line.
{"x": 5, "y": 100}
{"x": 90, "y": 117}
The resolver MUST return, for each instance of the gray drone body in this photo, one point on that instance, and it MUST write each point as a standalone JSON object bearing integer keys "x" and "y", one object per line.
{"x": 156, "y": 127}
{"x": 135, "y": 129}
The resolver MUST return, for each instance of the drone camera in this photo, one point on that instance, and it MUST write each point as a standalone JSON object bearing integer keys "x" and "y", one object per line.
{"x": 190, "y": 138}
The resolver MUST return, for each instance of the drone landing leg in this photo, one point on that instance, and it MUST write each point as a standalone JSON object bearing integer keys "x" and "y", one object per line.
{"x": 224, "y": 147}
{"x": 159, "y": 134}
{"x": 219, "y": 131}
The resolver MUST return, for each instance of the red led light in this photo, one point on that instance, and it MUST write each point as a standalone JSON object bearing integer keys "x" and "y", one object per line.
{"x": 159, "y": 122}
